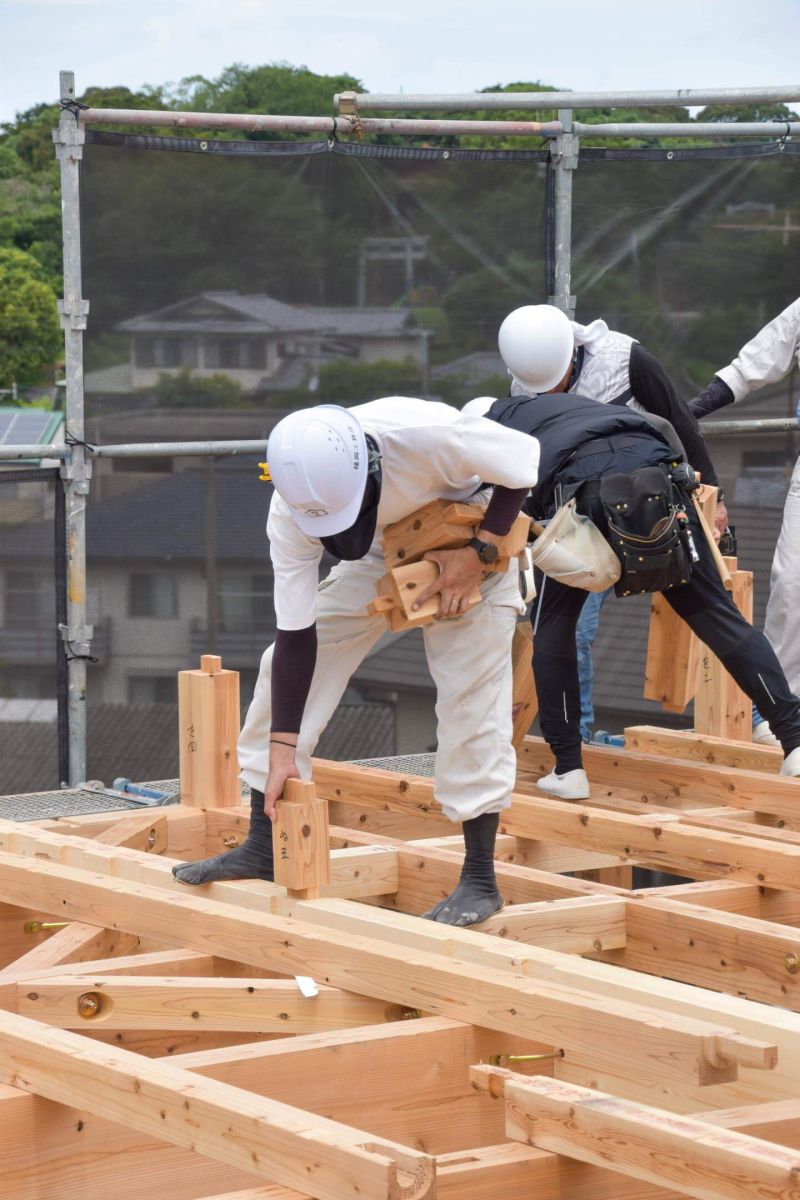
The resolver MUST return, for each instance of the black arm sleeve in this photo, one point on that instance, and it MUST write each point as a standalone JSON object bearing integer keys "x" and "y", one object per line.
{"x": 653, "y": 389}
{"x": 293, "y": 662}
{"x": 715, "y": 396}
{"x": 503, "y": 509}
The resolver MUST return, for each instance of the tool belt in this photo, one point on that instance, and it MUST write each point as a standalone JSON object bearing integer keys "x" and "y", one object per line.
{"x": 647, "y": 528}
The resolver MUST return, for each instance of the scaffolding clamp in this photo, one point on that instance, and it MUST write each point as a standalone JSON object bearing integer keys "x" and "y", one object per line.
{"x": 73, "y": 316}
{"x": 565, "y": 152}
{"x": 347, "y": 103}
{"x": 78, "y": 472}
{"x": 77, "y": 639}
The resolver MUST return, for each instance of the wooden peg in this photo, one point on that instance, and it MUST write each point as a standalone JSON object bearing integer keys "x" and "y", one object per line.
{"x": 208, "y": 725}
{"x": 302, "y": 841}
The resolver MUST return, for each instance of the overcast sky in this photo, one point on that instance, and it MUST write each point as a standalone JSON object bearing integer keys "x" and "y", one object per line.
{"x": 408, "y": 45}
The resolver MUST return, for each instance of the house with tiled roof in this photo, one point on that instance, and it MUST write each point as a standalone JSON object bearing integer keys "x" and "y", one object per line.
{"x": 262, "y": 343}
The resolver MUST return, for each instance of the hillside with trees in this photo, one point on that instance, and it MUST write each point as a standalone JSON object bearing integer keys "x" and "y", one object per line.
{"x": 688, "y": 256}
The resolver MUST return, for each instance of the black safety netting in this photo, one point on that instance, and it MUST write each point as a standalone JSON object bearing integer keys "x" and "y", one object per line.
{"x": 692, "y": 252}
{"x": 257, "y": 275}
{"x": 232, "y": 281}
{"x": 33, "y": 603}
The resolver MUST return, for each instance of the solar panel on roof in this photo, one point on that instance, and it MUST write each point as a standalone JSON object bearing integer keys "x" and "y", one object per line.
{"x": 25, "y": 427}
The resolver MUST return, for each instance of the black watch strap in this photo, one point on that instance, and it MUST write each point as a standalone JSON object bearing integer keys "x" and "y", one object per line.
{"x": 487, "y": 552}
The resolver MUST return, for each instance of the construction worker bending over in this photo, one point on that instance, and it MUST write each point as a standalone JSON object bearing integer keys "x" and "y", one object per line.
{"x": 768, "y": 358}
{"x": 341, "y": 475}
{"x": 622, "y": 474}
{"x": 611, "y": 368}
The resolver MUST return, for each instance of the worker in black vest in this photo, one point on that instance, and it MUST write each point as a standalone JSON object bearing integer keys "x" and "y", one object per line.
{"x": 582, "y": 443}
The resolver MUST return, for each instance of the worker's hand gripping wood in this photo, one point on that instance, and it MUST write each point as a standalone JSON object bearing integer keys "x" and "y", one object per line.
{"x": 460, "y": 573}
{"x": 450, "y": 538}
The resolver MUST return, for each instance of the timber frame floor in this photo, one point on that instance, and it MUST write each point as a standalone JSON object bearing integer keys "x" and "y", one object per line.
{"x": 589, "y": 1042}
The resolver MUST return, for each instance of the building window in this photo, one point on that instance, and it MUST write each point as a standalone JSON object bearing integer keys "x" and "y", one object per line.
{"x": 152, "y": 689}
{"x": 153, "y": 596}
{"x": 165, "y": 352}
{"x": 29, "y": 599}
{"x": 245, "y": 602}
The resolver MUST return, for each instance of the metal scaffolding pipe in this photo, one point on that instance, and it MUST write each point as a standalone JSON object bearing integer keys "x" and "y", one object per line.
{"x": 181, "y": 449}
{"x": 564, "y": 160}
{"x": 258, "y": 446}
{"x": 693, "y": 129}
{"x": 38, "y": 450}
{"x": 76, "y": 470}
{"x": 482, "y": 101}
{"x": 341, "y": 126}
{"x": 765, "y": 425}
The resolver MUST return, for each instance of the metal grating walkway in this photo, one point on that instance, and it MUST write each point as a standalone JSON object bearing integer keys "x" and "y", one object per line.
{"x": 80, "y": 802}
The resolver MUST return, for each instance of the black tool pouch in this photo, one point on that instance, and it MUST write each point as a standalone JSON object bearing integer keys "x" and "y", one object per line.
{"x": 646, "y": 530}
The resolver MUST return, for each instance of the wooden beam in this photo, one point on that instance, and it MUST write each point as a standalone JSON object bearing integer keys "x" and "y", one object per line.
{"x": 703, "y": 748}
{"x": 407, "y": 1081}
{"x": 428, "y": 872}
{"x": 580, "y": 926}
{"x": 79, "y": 942}
{"x": 519, "y": 852}
{"x": 232, "y": 1005}
{"x": 145, "y": 831}
{"x": 490, "y": 997}
{"x": 725, "y": 951}
{"x": 272, "y": 1140}
{"x": 76, "y": 943}
{"x": 698, "y": 782}
{"x": 660, "y": 840}
{"x": 693, "y": 1157}
{"x": 356, "y": 873}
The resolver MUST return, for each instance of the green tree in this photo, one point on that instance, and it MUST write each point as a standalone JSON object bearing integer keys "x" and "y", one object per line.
{"x": 30, "y": 336}
{"x": 274, "y": 88}
{"x": 746, "y": 112}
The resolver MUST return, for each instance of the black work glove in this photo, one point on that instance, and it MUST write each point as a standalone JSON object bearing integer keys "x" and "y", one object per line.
{"x": 715, "y": 396}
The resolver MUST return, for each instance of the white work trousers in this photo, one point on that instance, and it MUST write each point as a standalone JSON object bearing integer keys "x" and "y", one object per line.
{"x": 469, "y": 658}
{"x": 782, "y": 625}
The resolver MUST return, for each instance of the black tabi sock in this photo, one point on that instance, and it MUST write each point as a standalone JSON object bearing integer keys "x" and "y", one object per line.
{"x": 251, "y": 860}
{"x": 476, "y": 897}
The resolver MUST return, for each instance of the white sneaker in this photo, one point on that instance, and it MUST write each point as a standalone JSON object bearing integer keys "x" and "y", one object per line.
{"x": 763, "y": 735}
{"x": 575, "y": 785}
{"x": 791, "y": 764}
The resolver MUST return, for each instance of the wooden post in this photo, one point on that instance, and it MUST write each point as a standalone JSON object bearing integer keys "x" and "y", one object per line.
{"x": 524, "y": 693}
{"x": 302, "y": 841}
{"x": 673, "y": 651}
{"x": 208, "y": 720}
{"x": 720, "y": 707}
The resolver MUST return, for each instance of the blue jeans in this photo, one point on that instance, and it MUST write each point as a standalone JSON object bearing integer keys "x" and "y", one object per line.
{"x": 585, "y": 633}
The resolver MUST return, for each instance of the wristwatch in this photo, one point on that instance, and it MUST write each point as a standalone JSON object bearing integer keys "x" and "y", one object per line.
{"x": 487, "y": 552}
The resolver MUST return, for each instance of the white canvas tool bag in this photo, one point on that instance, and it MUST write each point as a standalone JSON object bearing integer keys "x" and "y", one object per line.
{"x": 573, "y": 550}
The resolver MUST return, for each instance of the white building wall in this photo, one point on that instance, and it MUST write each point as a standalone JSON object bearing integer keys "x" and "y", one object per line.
{"x": 144, "y": 645}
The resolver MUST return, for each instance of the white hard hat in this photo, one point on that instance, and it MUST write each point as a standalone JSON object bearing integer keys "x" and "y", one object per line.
{"x": 478, "y": 407}
{"x": 318, "y": 462}
{"x": 536, "y": 344}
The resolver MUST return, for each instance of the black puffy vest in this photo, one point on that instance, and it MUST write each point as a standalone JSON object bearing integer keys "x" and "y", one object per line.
{"x": 562, "y": 423}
